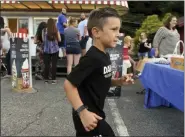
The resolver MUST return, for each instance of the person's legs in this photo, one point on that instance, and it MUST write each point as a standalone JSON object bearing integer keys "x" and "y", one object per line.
{"x": 64, "y": 51}
{"x": 83, "y": 52}
{"x": 83, "y": 45}
{"x": 54, "y": 57}
{"x": 102, "y": 129}
{"x": 134, "y": 65}
{"x": 62, "y": 44}
{"x": 124, "y": 69}
{"x": 76, "y": 58}
{"x": 69, "y": 63}
{"x": 42, "y": 67}
{"x": 8, "y": 60}
{"x": 47, "y": 60}
{"x": 38, "y": 67}
{"x": 145, "y": 55}
{"x": 140, "y": 55}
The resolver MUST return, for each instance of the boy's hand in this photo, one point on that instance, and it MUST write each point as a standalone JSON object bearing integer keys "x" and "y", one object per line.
{"x": 89, "y": 119}
{"x": 127, "y": 79}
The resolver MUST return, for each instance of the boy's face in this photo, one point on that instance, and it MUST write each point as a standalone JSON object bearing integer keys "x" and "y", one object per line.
{"x": 109, "y": 35}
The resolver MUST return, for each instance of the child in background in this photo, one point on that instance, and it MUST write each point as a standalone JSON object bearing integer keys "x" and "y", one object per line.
{"x": 126, "y": 57}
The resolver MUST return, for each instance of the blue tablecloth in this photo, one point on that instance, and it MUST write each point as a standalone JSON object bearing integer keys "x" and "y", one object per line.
{"x": 164, "y": 86}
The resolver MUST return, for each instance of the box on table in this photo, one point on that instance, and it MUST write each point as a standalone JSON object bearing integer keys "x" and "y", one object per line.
{"x": 141, "y": 64}
{"x": 177, "y": 63}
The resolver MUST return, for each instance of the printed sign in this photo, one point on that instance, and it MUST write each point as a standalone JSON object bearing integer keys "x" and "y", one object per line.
{"x": 116, "y": 59}
{"x": 20, "y": 62}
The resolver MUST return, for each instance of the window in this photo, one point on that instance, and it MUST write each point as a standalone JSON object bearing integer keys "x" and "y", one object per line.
{"x": 23, "y": 26}
{"x": 12, "y": 24}
{"x": 18, "y": 25}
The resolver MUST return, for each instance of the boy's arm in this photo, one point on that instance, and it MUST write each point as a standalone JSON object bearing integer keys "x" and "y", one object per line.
{"x": 72, "y": 95}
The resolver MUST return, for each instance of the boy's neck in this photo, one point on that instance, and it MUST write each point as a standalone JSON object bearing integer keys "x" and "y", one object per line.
{"x": 99, "y": 46}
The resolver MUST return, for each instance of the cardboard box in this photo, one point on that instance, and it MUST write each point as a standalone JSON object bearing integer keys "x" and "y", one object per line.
{"x": 141, "y": 64}
{"x": 177, "y": 63}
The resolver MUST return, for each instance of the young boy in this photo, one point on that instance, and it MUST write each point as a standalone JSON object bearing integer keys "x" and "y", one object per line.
{"x": 88, "y": 84}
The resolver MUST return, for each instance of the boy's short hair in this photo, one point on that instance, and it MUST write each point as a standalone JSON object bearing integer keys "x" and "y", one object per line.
{"x": 98, "y": 18}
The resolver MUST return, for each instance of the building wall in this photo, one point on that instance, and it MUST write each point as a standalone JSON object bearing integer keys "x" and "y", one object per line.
{"x": 33, "y": 20}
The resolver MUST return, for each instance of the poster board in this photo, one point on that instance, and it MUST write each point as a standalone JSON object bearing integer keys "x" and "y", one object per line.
{"x": 117, "y": 61}
{"x": 20, "y": 61}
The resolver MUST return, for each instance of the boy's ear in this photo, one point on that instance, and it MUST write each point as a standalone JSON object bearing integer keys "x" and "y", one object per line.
{"x": 95, "y": 32}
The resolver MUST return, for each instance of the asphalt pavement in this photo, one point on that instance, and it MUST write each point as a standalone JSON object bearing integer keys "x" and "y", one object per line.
{"x": 48, "y": 113}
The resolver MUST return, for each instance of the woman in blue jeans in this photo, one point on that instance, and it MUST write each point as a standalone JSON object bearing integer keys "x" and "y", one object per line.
{"x": 144, "y": 46}
{"x": 73, "y": 49}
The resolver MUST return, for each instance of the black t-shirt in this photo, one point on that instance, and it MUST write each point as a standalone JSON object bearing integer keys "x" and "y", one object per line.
{"x": 92, "y": 77}
{"x": 142, "y": 48}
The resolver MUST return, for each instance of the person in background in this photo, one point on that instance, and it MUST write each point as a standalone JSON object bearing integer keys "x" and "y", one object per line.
{"x": 51, "y": 37}
{"x": 73, "y": 49}
{"x": 130, "y": 51}
{"x": 39, "y": 66}
{"x": 144, "y": 46}
{"x": 89, "y": 44}
{"x": 5, "y": 34}
{"x": 61, "y": 25}
{"x": 126, "y": 58}
{"x": 23, "y": 29}
{"x": 166, "y": 37}
{"x": 82, "y": 26}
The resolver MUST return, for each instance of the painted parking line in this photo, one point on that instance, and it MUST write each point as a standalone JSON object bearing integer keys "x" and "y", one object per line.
{"x": 118, "y": 121}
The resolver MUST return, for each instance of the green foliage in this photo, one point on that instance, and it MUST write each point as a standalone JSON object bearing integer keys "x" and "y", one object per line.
{"x": 150, "y": 25}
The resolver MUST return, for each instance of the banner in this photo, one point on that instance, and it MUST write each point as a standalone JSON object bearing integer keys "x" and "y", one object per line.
{"x": 117, "y": 61}
{"x": 20, "y": 62}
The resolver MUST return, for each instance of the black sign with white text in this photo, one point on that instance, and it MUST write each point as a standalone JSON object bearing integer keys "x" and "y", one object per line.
{"x": 117, "y": 61}
{"x": 20, "y": 62}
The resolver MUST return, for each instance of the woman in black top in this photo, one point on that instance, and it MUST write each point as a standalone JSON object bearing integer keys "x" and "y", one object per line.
{"x": 144, "y": 46}
{"x": 39, "y": 66}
